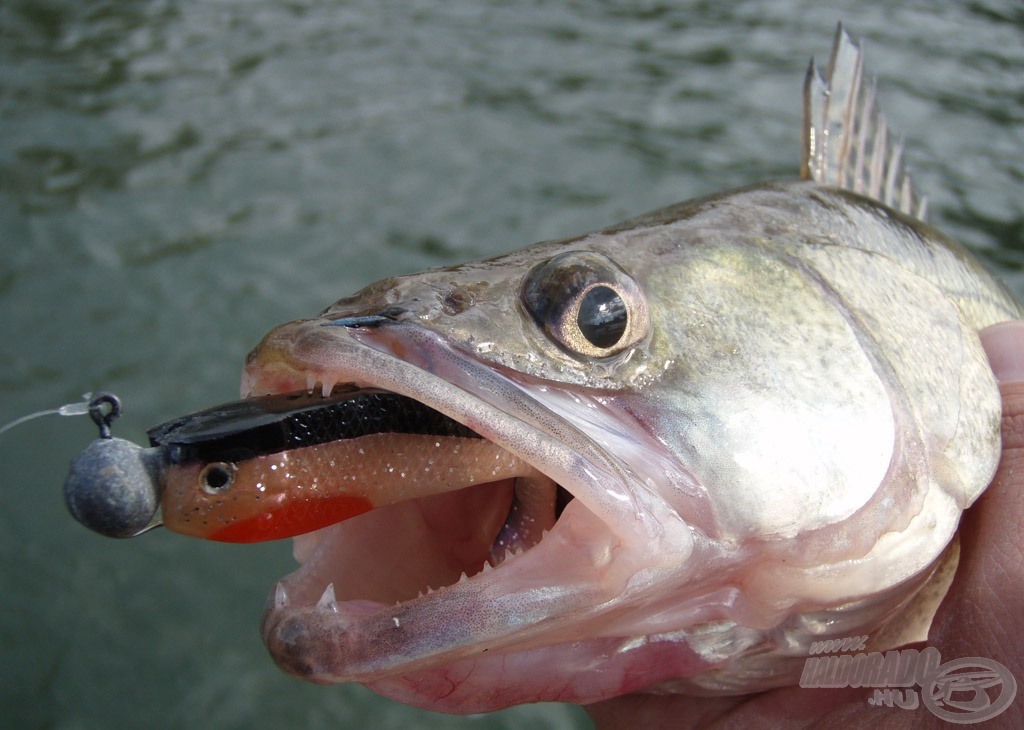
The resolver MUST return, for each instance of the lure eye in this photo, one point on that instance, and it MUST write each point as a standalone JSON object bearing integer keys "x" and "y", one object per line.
{"x": 586, "y": 304}
{"x": 216, "y": 478}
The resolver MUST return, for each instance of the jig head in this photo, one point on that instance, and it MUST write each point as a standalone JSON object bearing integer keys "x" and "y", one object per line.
{"x": 113, "y": 486}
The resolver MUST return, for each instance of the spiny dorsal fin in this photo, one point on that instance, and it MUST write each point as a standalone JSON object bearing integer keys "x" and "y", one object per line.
{"x": 845, "y": 137}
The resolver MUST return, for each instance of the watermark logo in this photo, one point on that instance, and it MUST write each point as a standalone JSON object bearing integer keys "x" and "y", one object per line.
{"x": 962, "y": 691}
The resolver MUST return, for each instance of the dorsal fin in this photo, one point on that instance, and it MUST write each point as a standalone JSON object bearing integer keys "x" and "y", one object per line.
{"x": 845, "y": 138}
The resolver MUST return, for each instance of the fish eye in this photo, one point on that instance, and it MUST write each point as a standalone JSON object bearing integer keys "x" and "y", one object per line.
{"x": 602, "y": 317}
{"x": 586, "y": 304}
{"x": 216, "y": 478}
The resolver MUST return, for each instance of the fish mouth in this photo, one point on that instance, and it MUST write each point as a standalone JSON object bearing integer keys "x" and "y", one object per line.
{"x": 480, "y": 579}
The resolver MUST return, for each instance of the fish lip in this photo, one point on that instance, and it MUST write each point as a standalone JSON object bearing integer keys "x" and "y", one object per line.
{"x": 405, "y": 358}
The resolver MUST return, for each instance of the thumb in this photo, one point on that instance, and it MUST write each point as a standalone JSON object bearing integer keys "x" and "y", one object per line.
{"x": 1004, "y": 345}
{"x": 981, "y": 614}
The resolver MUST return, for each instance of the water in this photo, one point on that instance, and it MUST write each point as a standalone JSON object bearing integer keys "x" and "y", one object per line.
{"x": 176, "y": 178}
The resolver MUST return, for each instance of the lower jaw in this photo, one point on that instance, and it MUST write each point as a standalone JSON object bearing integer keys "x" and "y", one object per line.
{"x": 456, "y": 650}
{"x": 556, "y": 673}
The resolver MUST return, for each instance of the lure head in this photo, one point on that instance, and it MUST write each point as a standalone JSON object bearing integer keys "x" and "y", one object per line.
{"x": 113, "y": 487}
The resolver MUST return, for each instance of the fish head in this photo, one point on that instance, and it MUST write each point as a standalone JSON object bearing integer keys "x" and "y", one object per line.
{"x": 706, "y": 454}
{"x": 541, "y": 353}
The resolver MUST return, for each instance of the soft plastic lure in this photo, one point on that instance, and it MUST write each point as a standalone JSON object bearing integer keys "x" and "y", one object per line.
{"x": 277, "y": 466}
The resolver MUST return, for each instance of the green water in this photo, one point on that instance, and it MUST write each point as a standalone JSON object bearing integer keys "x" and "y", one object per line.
{"x": 176, "y": 178}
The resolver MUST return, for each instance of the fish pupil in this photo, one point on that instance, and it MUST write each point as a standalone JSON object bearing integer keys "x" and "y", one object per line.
{"x": 602, "y": 316}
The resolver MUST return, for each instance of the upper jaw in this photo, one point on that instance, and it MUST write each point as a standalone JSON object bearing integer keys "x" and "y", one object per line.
{"x": 526, "y": 418}
{"x": 612, "y": 532}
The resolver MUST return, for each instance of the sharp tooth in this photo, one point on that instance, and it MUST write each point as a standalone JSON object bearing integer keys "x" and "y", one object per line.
{"x": 310, "y": 383}
{"x": 463, "y": 577}
{"x": 280, "y": 597}
{"x": 248, "y": 381}
{"x": 327, "y": 386}
{"x": 327, "y": 599}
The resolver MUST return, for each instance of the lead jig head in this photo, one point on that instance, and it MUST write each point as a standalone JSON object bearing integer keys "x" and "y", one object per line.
{"x": 113, "y": 486}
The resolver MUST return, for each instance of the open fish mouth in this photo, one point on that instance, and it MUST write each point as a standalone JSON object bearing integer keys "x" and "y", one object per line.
{"x": 455, "y": 504}
{"x": 467, "y": 568}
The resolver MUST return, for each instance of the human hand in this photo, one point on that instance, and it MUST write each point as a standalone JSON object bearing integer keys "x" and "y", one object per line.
{"x": 981, "y": 616}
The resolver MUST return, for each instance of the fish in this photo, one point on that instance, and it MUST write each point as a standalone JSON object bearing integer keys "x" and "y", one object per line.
{"x": 666, "y": 456}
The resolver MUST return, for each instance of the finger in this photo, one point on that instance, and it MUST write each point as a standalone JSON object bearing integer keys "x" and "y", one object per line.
{"x": 981, "y": 615}
{"x": 1004, "y": 345}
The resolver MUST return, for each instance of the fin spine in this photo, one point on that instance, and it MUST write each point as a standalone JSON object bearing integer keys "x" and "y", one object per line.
{"x": 846, "y": 140}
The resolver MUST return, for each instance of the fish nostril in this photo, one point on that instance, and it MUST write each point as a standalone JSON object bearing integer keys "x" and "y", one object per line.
{"x": 456, "y": 301}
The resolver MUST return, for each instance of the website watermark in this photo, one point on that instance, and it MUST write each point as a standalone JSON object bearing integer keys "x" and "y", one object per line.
{"x": 962, "y": 691}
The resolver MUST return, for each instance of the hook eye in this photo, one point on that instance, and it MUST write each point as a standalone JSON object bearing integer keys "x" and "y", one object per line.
{"x": 103, "y": 409}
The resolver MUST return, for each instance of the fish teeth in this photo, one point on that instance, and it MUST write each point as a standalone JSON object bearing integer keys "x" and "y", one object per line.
{"x": 248, "y": 382}
{"x": 327, "y": 599}
{"x": 280, "y": 597}
{"x": 327, "y": 386}
{"x": 430, "y": 590}
{"x": 310, "y": 383}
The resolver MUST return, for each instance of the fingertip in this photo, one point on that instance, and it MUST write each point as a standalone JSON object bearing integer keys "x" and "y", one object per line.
{"x": 1004, "y": 345}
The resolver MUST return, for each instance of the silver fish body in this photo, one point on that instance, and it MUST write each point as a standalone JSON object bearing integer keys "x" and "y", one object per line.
{"x": 769, "y": 408}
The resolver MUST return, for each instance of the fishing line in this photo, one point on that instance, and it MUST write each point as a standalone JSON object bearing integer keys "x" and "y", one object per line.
{"x": 103, "y": 408}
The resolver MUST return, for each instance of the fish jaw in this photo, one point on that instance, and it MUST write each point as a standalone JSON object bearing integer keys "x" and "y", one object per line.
{"x": 519, "y": 632}
{"x": 611, "y": 543}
